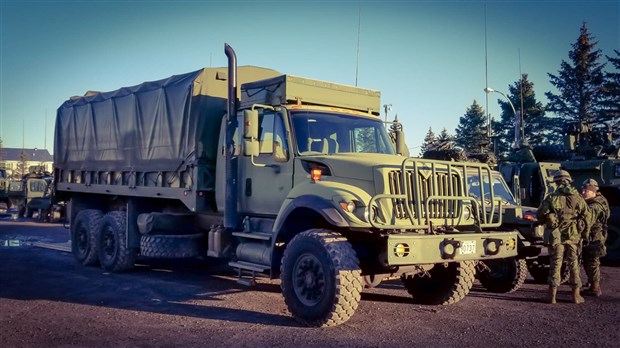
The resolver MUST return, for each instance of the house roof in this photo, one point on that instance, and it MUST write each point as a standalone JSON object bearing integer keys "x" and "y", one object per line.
{"x": 33, "y": 155}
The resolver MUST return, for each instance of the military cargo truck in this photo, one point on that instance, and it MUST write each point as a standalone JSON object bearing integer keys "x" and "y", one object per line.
{"x": 285, "y": 177}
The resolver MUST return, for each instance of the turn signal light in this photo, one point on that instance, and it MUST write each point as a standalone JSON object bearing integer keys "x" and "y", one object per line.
{"x": 315, "y": 174}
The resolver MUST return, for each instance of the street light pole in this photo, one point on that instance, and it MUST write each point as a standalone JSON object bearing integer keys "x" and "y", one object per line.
{"x": 519, "y": 136}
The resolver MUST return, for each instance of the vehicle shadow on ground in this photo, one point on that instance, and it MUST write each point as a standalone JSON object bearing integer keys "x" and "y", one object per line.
{"x": 520, "y": 295}
{"x": 175, "y": 287}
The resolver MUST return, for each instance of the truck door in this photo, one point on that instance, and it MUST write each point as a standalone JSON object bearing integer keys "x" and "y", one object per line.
{"x": 266, "y": 179}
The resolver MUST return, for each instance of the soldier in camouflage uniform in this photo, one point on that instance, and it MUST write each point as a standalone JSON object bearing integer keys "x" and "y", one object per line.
{"x": 561, "y": 212}
{"x": 594, "y": 247}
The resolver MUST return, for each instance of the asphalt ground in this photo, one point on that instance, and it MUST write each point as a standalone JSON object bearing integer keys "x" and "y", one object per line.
{"x": 48, "y": 300}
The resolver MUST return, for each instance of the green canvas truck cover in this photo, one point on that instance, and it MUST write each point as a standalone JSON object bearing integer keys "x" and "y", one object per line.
{"x": 157, "y": 126}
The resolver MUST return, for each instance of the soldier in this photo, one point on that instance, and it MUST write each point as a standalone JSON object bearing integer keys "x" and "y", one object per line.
{"x": 561, "y": 211}
{"x": 594, "y": 247}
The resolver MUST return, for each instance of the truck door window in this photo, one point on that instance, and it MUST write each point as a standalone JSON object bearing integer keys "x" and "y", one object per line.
{"x": 272, "y": 136}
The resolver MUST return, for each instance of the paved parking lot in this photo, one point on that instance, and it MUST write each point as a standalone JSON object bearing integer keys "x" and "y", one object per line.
{"x": 47, "y": 299}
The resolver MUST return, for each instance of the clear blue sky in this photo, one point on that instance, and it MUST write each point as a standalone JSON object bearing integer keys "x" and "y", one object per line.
{"x": 426, "y": 57}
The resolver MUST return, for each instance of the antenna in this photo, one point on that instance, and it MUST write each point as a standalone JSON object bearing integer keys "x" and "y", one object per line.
{"x": 521, "y": 83}
{"x": 522, "y": 116}
{"x": 357, "y": 58}
{"x": 45, "y": 132}
{"x": 486, "y": 73}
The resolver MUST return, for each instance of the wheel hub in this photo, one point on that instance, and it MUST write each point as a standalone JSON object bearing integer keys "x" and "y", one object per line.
{"x": 309, "y": 280}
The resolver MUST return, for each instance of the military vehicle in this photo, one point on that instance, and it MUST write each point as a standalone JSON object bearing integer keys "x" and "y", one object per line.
{"x": 587, "y": 152}
{"x": 5, "y": 204}
{"x": 284, "y": 176}
{"x": 509, "y": 274}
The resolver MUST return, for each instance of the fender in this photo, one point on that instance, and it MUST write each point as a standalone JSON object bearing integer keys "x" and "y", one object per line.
{"x": 323, "y": 207}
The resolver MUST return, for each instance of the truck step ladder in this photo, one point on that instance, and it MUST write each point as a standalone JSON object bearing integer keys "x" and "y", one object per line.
{"x": 247, "y": 271}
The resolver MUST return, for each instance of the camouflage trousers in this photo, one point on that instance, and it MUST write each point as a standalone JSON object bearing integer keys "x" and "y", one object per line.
{"x": 557, "y": 253}
{"x": 593, "y": 268}
{"x": 592, "y": 263}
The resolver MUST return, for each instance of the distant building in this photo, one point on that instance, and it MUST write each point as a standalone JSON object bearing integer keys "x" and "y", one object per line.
{"x": 13, "y": 160}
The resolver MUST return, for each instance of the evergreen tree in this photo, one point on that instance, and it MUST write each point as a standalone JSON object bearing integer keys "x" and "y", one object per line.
{"x": 611, "y": 103}
{"x": 580, "y": 86}
{"x": 533, "y": 117}
{"x": 21, "y": 166}
{"x": 429, "y": 141}
{"x": 445, "y": 137}
{"x": 472, "y": 130}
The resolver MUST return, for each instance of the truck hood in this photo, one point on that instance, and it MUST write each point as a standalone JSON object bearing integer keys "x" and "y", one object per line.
{"x": 357, "y": 165}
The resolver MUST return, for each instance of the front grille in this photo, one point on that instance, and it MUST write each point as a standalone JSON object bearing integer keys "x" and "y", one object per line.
{"x": 418, "y": 187}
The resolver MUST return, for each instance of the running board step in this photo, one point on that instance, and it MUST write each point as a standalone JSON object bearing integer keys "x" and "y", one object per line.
{"x": 253, "y": 235}
{"x": 247, "y": 271}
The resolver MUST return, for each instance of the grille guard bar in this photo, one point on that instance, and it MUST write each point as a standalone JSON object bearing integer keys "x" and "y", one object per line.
{"x": 483, "y": 212}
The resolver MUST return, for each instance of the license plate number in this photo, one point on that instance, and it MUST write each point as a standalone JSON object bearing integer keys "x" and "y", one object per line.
{"x": 468, "y": 247}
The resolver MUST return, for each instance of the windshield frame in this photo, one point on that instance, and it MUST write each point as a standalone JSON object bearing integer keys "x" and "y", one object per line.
{"x": 382, "y": 142}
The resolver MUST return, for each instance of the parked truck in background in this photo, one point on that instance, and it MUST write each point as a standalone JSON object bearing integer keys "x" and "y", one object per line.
{"x": 506, "y": 274}
{"x": 588, "y": 152}
{"x": 5, "y": 204}
{"x": 285, "y": 176}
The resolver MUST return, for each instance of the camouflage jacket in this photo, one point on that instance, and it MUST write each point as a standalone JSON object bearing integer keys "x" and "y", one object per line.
{"x": 563, "y": 210}
{"x": 599, "y": 213}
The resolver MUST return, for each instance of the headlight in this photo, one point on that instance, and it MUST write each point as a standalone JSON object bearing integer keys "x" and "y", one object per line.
{"x": 348, "y": 206}
{"x": 467, "y": 212}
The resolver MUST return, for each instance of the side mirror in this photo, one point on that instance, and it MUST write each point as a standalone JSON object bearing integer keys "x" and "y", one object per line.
{"x": 401, "y": 147}
{"x": 250, "y": 147}
{"x": 250, "y": 124}
{"x": 516, "y": 189}
{"x": 250, "y": 133}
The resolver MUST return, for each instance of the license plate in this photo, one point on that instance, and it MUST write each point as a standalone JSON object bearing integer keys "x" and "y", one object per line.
{"x": 468, "y": 247}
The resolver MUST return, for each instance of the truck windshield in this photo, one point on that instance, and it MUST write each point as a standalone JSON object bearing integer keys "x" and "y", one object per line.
{"x": 322, "y": 132}
{"x": 500, "y": 189}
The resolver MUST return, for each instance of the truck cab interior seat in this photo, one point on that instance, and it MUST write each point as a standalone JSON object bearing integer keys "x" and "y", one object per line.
{"x": 318, "y": 145}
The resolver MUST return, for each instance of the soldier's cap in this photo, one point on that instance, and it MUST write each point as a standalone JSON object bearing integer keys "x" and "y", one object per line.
{"x": 590, "y": 184}
{"x": 562, "y": 175}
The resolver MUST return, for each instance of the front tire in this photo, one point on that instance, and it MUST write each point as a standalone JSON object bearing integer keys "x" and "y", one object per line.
{"x": 114, "y": 254}
{"x": 321, "y": 278}
{"x": 443, "y": 285}
{"x": 503, "y": 275}
{"x": 84, "y": 232}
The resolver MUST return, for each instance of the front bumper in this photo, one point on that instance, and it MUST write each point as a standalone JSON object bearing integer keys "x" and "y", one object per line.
{"x": 413, "y": 248}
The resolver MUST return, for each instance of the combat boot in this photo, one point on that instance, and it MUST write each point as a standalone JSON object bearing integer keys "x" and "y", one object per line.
{"x": 553, "y": 290}
{"x": 594, "y": 290}
{"x": 577, "y": 297}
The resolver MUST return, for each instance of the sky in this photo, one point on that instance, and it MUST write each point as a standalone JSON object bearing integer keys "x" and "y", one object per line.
{"x": 426, "y": 57}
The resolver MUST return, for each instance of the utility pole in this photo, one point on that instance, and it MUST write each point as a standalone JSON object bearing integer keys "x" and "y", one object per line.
{"x": 387, "y": 108}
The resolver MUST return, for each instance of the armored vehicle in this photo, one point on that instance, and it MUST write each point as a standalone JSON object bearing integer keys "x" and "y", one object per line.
{"x": 284, "y": 177}
{"x": 587, "y": 152}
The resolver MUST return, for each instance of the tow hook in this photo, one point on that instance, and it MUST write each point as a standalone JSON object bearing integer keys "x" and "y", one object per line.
{"x": 450, "y": 246}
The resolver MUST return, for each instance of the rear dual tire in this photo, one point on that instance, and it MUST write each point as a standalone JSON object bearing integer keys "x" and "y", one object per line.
{"x": 84, "y": 232}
